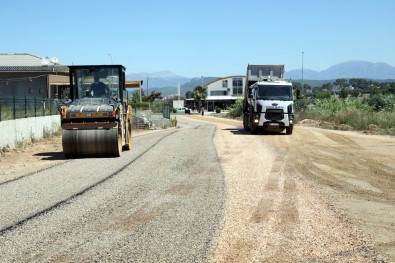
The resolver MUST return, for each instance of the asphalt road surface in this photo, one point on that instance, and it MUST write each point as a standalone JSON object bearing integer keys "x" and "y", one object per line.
{"x": 162, "y": 201}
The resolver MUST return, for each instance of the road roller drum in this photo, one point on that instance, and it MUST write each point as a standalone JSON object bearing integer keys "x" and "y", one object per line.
{"x": 97, "y": 142}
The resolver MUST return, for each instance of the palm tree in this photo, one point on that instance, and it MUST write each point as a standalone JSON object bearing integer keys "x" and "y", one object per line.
{"x": 189, "y": 94}
{"x": 199, "y": 95}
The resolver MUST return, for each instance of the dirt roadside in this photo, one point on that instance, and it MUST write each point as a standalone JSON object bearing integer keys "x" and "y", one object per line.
{"x": 314, "y": 196}
{"x": 327, "y": 197}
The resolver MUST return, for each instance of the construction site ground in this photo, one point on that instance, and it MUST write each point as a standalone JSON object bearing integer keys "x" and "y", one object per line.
{"x": 352, "y": 171}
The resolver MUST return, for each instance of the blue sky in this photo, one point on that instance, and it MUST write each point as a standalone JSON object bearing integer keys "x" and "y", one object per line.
{"x": 201, "y": 38}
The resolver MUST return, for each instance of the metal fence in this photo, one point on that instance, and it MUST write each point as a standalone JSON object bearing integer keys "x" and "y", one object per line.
{"x": 147, "y": 119}
{"x": 12, "y": 108}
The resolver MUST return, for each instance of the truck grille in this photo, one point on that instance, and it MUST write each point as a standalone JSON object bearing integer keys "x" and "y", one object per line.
{"x": 274, "y": 114}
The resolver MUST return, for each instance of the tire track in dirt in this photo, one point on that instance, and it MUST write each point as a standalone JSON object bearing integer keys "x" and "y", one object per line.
{"x": 248, "y": 178}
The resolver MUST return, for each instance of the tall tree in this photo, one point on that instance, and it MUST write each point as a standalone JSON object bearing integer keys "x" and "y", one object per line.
{"x": 199, "y": 94}
{"x": 343, "y": 93}
{"x": 153, "y": 96}
{"x": 189, "y": 94}
{"x": 342, "y": 83}
{"x": 136, "y": 96}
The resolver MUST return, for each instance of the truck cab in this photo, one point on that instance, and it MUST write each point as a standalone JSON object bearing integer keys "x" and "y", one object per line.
{"x": 272, "y": 106}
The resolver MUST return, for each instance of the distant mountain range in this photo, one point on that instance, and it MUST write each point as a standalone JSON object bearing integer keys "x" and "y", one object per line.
{"x": 347, "y": 70}
{"x": 158, "y": 79}
{"x": 166, "y": 81}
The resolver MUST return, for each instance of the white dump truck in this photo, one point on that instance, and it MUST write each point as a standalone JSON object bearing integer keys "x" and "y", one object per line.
{"x": 268, "y": 100}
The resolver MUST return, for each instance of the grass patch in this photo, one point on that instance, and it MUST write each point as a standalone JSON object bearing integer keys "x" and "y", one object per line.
{"x": 358, "y": 114}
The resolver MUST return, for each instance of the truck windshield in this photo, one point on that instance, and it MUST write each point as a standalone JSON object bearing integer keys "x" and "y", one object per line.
{"x": 274, "y": 92}
{"x": 96, "y": 82}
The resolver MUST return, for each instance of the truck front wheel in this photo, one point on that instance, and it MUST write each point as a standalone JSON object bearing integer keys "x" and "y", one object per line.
{"x": 289, "y": 130}
{"x": 246, "y": 122}
{"x": 253, "y": 127}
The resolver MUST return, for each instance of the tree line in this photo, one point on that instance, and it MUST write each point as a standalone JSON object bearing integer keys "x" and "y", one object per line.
{"x": 140, "y": 99}
{"x": 344, "y": 88}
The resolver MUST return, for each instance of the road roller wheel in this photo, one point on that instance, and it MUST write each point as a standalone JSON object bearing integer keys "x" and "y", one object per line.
{"x": 128, "y": 135}
{"x": 119, "y": 150}
{"x": 91, "y": 143}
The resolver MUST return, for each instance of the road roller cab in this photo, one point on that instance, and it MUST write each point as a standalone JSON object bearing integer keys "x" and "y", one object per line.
{"x": 96, "y": 118}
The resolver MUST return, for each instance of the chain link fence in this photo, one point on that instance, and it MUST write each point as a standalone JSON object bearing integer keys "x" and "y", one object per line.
{"x": 12, "y": 108}
{"x": 148, "y": 118}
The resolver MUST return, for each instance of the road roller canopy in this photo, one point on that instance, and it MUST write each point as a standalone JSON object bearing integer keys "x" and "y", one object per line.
{"x": 97, "y": 81}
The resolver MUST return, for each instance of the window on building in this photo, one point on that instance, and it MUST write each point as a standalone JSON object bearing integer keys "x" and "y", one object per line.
{"x": 237, "y": 84}
{"x": 218, "y": 93}
{"x": 225, "y": 83}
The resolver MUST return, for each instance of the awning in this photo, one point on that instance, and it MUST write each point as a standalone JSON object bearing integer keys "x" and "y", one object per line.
{"x": 133, "y": 83}
{"x": 216, "y": 98}
{"x": 60, "y": 83}
{"x": 59, "y": 80}
{"x": 64, "y": 81}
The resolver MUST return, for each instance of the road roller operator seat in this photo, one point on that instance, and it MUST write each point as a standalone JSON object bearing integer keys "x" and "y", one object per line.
{"x": 98, "y": 88}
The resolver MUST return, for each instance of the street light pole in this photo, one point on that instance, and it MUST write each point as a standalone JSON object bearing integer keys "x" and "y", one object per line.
{"x": 302, "y": 71}
{"x": 110, "y": 57}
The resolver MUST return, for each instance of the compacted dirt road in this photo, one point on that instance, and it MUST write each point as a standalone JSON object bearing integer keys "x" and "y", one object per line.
{"x": 314, "y": 196}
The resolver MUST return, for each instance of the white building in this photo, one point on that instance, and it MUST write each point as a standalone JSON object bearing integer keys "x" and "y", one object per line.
{"x": 223, "y": 92}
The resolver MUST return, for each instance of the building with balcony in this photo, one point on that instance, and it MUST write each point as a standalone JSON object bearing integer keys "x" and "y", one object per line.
{"x": 223, "y": 92}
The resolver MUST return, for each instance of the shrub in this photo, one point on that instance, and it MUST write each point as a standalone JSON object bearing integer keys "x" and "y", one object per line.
{"x": 173, "y": 121}
{"x": 142, "y": 105}
{"x": 302, "y": 105}
{"x": 356, "y": 113}
{"x": 377, "y": 102}
{"x": 236, "y": 110}
{"x": 157, "y": 106}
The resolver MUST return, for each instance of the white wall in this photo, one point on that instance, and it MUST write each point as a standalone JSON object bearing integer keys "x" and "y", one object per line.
{"x": 178, "y": 103}
{"x": 26, "y": 129}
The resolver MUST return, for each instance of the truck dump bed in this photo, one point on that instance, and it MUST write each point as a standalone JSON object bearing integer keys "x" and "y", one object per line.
{"x": 256, "y": 72}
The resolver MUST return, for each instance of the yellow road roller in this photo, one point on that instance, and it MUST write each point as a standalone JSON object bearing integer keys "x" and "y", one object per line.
{"x": 96, "y": 117}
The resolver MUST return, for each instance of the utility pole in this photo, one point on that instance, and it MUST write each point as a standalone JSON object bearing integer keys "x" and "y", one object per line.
{"x": 178, "y": 93}
{"x": 302, "y": 71}
{"x": 147, "y": 86}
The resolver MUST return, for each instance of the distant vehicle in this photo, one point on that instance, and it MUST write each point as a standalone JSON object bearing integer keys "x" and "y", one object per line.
{"x": 183, "y": 110}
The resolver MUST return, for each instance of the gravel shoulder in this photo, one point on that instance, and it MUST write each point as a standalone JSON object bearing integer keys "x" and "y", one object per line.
{"x": 315, "y": 196}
